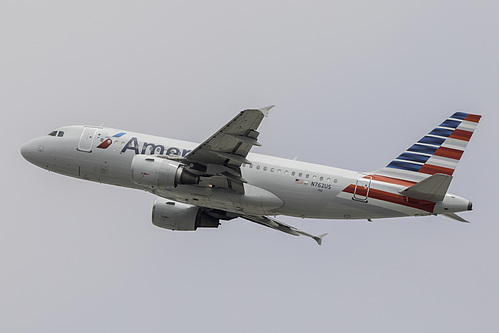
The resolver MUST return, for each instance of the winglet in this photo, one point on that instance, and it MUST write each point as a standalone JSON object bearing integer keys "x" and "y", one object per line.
{"x": 266, "y": 110}
{"x": 318, "y": 239}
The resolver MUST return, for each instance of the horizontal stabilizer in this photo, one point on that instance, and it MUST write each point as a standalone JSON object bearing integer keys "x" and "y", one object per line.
{"x": 456, "y": 217}
{"x": 432, "y": 188}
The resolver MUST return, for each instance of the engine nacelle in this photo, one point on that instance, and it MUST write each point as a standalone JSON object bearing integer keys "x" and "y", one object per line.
{"x": 154, "y": 172}
{"x": 178, "y": 216}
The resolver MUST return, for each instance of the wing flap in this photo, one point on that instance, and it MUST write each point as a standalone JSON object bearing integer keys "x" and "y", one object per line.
{"x": 230, "y": 156}
{"x": 246, "y": 139}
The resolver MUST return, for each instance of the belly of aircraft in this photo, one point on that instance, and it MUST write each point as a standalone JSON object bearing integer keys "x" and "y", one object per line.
{"x": 255, "y": 200}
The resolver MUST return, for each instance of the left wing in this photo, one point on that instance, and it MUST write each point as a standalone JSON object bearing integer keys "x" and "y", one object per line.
{"x": 219, "y": 158}
{"x": 274, "y": 224}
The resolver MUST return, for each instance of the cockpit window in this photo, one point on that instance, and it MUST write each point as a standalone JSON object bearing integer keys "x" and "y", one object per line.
{"x": 57, "y": 133}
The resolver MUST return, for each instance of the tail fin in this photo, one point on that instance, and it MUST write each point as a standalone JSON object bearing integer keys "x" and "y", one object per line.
{"x": 438, "y": 152}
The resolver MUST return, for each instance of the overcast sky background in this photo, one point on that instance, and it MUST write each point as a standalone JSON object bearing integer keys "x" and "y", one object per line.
{"x": 355, "y": 83}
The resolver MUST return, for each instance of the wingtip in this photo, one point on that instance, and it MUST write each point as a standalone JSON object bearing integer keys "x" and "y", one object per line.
{"x": 318, "y": 239}
{"x": 266, "y": 110}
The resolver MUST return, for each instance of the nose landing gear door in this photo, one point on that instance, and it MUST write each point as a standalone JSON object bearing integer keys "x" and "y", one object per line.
{"x": 362, "y": 187}
{"x": 87, "y": 139}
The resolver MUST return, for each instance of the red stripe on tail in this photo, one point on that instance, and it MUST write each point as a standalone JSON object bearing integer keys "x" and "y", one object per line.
{"x": 433, "y": 169}
{"x": 473, "y": 118}
{"x": 461, "y": 135}
{"x": 427, "y": 206}
{"x": 391, "y": 180}
{"x": 449, "y": 153}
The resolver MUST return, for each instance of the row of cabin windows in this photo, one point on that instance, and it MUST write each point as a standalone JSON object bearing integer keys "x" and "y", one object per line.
{"x": 293, "y": 173}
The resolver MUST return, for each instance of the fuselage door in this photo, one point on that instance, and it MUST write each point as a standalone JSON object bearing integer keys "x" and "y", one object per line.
{"x": 86, "y": 139}
{"x": 362, "y": 187}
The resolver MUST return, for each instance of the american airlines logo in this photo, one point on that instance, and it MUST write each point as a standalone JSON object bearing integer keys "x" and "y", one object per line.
{"x": 144, "y": 148}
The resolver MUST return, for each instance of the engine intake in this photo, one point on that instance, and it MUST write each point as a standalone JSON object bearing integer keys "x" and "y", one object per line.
{"x": 154, "y": 171}
{"x": 179, "y": 216}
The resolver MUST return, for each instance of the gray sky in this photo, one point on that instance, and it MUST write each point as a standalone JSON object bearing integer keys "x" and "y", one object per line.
{"x": 355, "y": 83}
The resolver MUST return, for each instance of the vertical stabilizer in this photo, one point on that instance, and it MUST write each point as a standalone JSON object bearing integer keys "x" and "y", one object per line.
{"x": 438, "y": 152}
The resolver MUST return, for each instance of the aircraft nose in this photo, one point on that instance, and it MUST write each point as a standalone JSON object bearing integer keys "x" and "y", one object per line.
{"x": 26, "y": 151}
{"x": 30, "y": 149}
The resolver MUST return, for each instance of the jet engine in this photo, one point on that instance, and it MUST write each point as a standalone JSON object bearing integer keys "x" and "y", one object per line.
{"x": 154, "y": 171}
{"x": 178, "y": 216}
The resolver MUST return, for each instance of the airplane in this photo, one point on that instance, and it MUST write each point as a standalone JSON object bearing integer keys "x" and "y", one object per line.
{"x": 198, "y": 185}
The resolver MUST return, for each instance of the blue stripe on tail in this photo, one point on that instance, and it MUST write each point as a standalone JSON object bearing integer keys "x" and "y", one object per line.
{"x": 450, "y": 123}
{"x": 404, "y": 166}
{"x": 431, "y": 140}
{"x": 445, "y": 132}
{"x": 459, "y": 115}
{"x": 423, "y": 149}
{"x": 413, "y": 157}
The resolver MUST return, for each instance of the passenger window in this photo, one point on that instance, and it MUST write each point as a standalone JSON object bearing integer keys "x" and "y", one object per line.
{"x": 60, "y": 134}
{"x": 258, "y": 167}
{"x": 54, "y": 133}
{"x": 293, "y": 173}
{"x": 300, "y": 174}
{"x": 321, "y": 179}
{"x": 286, "y": 172}
{"x": 271, "y": 169}
{"x": 307, "y": 175}
{"x": 264, "y": 168}
{"x": 328, "y": 180}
